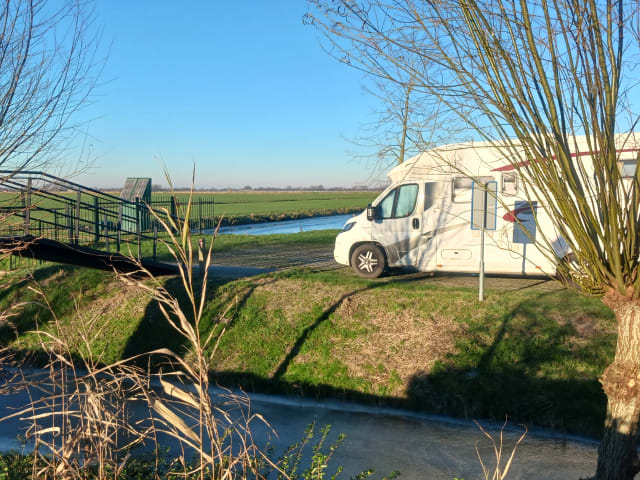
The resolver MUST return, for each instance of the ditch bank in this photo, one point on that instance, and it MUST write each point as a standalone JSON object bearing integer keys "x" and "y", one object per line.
{"x": 531, "y": 351}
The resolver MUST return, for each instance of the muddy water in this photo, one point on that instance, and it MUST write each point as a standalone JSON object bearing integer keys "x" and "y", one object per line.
{"x": 420, "y": 446}
{"x": 423, "y": 446}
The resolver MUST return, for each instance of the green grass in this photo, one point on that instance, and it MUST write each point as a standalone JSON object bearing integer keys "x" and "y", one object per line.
{"x": 275, "y": 204}
{"x": 532, "y": 355}
{"x": 531, "y": 351}
{"x": 234, "y": 207}
{"x": 227, "y": 243}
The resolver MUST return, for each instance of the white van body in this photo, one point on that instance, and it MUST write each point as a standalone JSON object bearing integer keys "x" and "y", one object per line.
{"x": 425, "y": 215}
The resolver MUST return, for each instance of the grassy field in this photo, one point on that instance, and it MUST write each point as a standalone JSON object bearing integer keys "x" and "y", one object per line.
{"x": 234, "y": 204}
{"x": 532, "y": 350}
{"x": 235, "y": 207}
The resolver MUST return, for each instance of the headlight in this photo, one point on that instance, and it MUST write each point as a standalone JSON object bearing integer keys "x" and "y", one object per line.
{"x": 348, "y": 226}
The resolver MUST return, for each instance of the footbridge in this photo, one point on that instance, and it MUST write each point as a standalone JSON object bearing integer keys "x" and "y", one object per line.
{"x": 46, "y": 217}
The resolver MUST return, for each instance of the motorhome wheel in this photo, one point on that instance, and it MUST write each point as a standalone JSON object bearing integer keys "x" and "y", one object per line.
{"x": 368, "y": 260}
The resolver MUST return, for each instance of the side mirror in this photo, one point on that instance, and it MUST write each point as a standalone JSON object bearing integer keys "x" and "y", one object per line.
{"x": 371, "y": 213}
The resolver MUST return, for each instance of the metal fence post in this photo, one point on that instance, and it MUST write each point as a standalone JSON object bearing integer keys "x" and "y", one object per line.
{"x": 77, "y": 225}
{"x": 96, "y": 220}
{"x": 55, "y": 224}
{"x": 11, "y": 256}
{"x": 106, "y": 233}
{"x": 69, "y": 222}
{"x": 173, "y": 208}
{"x": 27, "y": 208}
{"x": 155, "y": 239}
{"x": 118, "y": 229}
{"x": 138, "y": 227}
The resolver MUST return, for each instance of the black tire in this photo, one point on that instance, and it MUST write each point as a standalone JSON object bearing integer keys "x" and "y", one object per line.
{"x": 368, "y": 260}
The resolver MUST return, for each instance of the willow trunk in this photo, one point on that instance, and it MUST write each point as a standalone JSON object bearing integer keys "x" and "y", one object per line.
{"x": 617, "y": 455}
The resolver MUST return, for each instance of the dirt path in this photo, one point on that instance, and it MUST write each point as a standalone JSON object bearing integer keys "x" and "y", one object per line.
{"x": 244, "y": 262}
{"x": 278, "y": 257}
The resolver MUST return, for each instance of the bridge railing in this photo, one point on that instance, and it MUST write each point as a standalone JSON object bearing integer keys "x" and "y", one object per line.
{"x": 47, "y": 206}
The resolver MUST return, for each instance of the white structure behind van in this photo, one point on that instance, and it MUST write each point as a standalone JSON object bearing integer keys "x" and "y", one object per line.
{"x": 423, "y": 219}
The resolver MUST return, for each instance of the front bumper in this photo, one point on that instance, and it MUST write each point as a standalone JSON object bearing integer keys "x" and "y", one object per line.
{"x": 341, "y": 250}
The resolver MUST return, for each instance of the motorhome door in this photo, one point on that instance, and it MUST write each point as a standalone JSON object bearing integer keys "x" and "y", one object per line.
{"x": 433, "y": 218}
{"x": 399, "y": 224}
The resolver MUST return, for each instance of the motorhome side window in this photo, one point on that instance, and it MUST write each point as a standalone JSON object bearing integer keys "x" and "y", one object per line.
{"x": 386, "y": 205}
{"x": 400, "y": 202}
{"x": 462, "y": 188}
{"x": 509, "y": 183}
{"x": 628, "y": 168}
{"x": 433, "y": 192}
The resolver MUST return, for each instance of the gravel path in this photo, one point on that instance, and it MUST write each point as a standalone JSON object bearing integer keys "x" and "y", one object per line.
{"x": 246, "y": 262}
{"x": 278, "y": 257}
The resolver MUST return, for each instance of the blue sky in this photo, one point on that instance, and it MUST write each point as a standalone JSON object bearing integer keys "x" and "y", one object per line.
{"x": 242, "y": 89}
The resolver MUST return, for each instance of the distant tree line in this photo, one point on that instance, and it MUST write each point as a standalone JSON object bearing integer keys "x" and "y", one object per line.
{"x": 289, "y": 188}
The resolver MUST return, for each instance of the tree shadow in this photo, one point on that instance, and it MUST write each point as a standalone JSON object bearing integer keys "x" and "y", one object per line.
{"x": 516, "y": 374}
{"x": 33, "y": 310}
{"x": 326, "y": 314}
{"x": 512, "y": 374}
{"x": 155, "y": 332}
{"x": 397, "y": 278}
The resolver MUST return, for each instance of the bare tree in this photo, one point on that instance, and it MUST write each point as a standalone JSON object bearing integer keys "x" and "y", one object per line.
{"x": 408, "y": 122}
{"x": 531, "y": 76}
{"x": 390, "y": 137}
{"x": 47, "y": 72}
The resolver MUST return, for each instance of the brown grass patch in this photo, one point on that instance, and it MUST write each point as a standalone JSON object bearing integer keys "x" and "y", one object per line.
{"x": 396, "y": 343}
{"x": 392, "y": 344}
{"x": 294, "y": 298}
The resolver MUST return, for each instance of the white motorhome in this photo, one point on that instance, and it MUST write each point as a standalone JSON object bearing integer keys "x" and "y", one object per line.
{"x": 424, "y": 218}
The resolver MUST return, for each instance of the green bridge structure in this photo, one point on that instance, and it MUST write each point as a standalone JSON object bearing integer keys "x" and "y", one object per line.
{"x": 50, "y": 218}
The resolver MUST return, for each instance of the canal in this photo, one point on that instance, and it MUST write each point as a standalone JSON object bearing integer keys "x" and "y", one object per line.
{"x": 420, "y": 446}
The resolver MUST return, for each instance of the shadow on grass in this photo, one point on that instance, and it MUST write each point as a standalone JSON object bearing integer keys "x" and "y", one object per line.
{"x": 308, "y": 331}
{"x": 34, "y": 311}
{"x": 154, "y": 331}
{"x": 519, "y": 372}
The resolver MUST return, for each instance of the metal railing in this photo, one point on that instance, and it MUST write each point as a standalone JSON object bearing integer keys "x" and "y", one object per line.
{"x": 37, "y": 203}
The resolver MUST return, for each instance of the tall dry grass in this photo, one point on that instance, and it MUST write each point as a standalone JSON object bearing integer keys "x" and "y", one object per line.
{"x": 503, "y": 463}
{"x": 217, "y": 430}
{"x": 76, "y": 410}
{"x": 77, "y": 414}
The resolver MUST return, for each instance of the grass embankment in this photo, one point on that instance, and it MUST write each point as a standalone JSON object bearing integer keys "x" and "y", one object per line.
{"x": 530, "y": 351}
